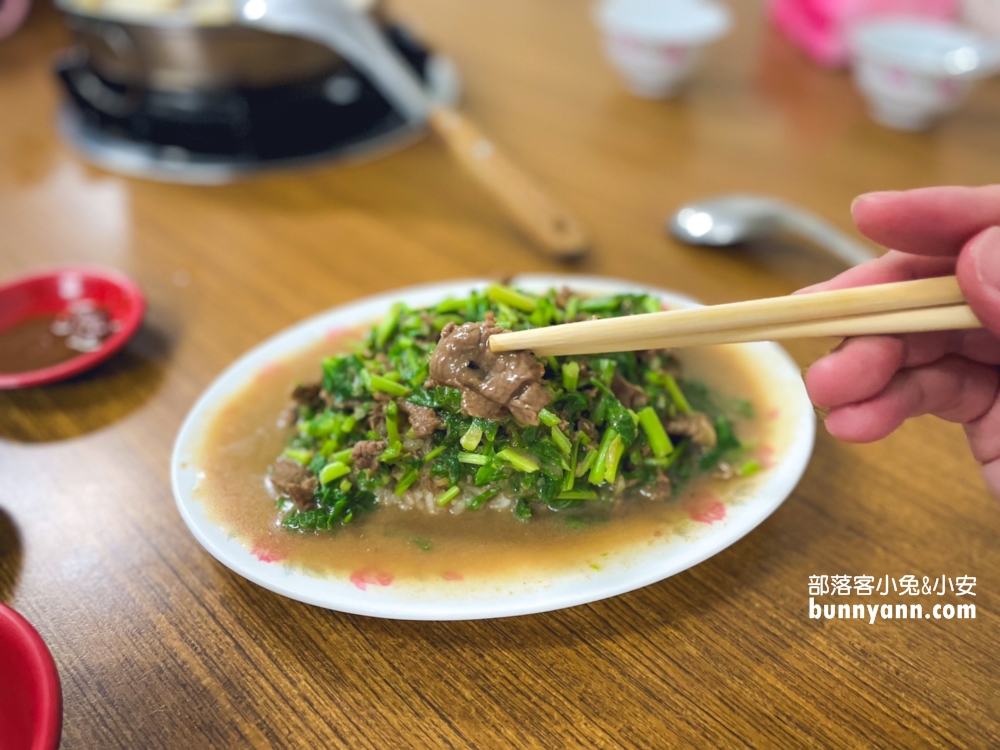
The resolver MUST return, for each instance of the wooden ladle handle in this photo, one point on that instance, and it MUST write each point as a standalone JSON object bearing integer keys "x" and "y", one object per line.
{"x": 546, "y": 221}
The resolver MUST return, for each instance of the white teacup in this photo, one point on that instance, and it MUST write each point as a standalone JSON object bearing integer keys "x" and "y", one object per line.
{"x": 655, "y": 44}
{"x": 914, "y": 71}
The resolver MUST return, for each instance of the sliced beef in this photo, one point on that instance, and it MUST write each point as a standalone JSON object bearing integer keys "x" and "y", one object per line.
{"x": 292, "y": 480}
{"x": 491, "y": 383}
{"x": 587, "y": 428}
{"x": 377, "y": 417}
{"x": 659, "y": 359}
{"x": 528, "y": 402}
{"x": 423, "y": 419}
{"x": 479, "y": 406}
{"x": 365, "y": 454}
{"x": 309, "y": 395}
{"x": 697, "y": 426}
{"x": 659, "y": 491}
{"x": 631, "y": 396}
{"x": 562, "y": 297}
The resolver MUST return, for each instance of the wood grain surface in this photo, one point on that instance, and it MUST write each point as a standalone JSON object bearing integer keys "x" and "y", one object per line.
{"x": 159, "y": 646}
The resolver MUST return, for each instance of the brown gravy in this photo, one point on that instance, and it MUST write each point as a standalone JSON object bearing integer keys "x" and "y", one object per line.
{"x": 31, "y": 345}
{"x": 391, "y": 543}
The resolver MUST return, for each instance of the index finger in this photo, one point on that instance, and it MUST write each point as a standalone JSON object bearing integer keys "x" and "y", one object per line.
{"x": 932, "y": 221}
{"x": 893, "y": 266}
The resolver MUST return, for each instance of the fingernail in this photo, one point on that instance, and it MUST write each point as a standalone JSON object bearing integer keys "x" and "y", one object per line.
{"x": 869, "y": 196}
{"x": 985, "y": 252}
{"x": 807, "y": 289}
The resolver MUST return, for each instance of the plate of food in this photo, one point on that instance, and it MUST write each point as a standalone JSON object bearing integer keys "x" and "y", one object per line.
{"x": 379, "y": 459}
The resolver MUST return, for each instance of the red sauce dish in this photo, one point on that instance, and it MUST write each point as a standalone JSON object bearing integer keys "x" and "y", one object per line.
{"x": 30, "y": 693}
{"x": 55, "y": 292}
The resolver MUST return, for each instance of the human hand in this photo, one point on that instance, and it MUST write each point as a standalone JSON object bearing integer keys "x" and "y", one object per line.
{"x": 872, "y": 384}
{"x": 12, "y": 15}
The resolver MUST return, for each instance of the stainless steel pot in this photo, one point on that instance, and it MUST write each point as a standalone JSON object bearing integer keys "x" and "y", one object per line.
{"x": 164, "y": 55}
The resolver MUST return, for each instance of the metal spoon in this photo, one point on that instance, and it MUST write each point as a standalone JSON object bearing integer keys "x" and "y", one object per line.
{"x": 731, "y": 219}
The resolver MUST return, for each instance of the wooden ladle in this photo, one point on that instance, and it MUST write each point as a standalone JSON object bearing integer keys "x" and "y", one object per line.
{"x": 354, "y": 35}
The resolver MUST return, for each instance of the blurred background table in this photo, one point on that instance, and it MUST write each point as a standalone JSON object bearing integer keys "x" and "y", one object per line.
{"x": 160, "y": 646}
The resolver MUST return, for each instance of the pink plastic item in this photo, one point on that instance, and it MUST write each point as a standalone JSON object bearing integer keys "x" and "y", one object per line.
{"x": 12, "y": 15}
{"x": 820, "y": 27}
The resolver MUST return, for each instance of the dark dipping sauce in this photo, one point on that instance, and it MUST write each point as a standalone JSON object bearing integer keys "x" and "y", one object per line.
{"x": 392, "y": 543}
{"x": 31, "y": 345}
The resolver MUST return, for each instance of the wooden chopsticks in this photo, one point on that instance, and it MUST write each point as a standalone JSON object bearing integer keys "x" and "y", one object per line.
{"x": 903, "y": 307}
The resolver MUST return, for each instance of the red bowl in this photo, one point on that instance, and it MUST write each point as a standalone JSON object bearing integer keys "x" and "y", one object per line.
{"x": 30, "y": 694}
{"x": 50, "y": 292}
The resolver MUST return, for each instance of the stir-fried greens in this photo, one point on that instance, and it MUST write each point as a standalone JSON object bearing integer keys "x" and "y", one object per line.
{"x": 613, "y": 427}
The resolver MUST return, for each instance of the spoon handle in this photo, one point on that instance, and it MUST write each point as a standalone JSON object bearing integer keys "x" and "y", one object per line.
{"x": 826, "y": 236}
{"x": 549, "y": 223}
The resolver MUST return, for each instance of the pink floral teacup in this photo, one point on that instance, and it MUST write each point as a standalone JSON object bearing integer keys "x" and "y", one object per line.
{"x": 915, "y": 71}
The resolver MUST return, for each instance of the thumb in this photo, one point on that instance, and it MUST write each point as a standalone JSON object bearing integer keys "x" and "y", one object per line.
{"x": 978, "y": 273}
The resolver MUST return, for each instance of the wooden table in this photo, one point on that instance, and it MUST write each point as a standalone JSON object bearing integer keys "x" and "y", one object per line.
{"x": 160, "y": 646}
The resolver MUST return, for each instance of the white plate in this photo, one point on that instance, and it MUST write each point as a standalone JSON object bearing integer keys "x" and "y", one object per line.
{"x": 625, "y": 570}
